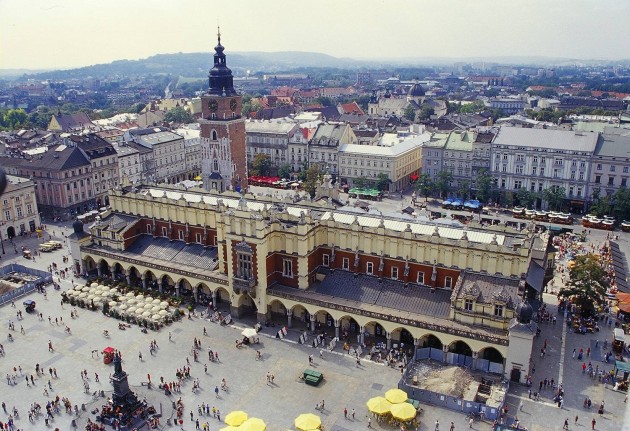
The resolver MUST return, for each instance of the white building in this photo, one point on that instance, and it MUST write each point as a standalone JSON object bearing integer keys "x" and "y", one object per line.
{"x": 129, "y": 166}
{"x": 270, "y": 138}
{"x": 324, "y": 146}
{"x": 538, "y": 159}
{"x": 394, "y": 155}
{"x": 192, "y": 148}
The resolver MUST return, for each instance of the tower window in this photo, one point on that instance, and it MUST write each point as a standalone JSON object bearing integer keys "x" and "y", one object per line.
{"x": 214, "y": 134}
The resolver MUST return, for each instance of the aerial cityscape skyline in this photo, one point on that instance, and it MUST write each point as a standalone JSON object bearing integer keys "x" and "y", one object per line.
{"x": 396, "y": 29}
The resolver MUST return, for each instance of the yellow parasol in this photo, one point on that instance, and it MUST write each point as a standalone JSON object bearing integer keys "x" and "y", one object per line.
{"x": 236, "y": 418}
{"x": 253, "y": 424}
{"x": 403, "y": 411}
{"x": 396, "y": 396}
{"x": 229, "y": 428}
{"x": 379, "y": 405}
{"x": 307, "y": 421}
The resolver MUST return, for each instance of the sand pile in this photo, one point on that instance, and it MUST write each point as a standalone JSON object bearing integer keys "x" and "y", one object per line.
{"x": 451, "y": 381}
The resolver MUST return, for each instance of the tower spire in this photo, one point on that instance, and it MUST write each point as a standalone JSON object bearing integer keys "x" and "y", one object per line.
{"x": 219, "y": 34}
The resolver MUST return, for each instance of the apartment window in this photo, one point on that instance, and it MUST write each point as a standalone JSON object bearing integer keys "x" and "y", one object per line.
{"x": 369, "y": 268}
{"x": 611, "y": 181}
{"x": 502, "y": 183}
{"x": 164, "y": 231}
{"x": 557, "y": 162}
{"x": 448, "y": 282}
{"x": 612, "y": 168}
{"x": 504, "y": 169}
{"x": 533, "y": 186}
{"x": 395, "y": 273}
{"x": 29, "y": 208}
{"x": 579, "y": 192}
{"x": 496, "y": 167}
{"x": 7, "y": 215}
{"x": 540, "y": 187}
{"x": 534, "y": 170}
{"x": 149, "y": 228}
{"x": 326, "y": 260}
{"x": 572, "y": 175}
{"x": 345, "y": 263}
{"x": 582, "y": 164}
{"x": 520, "y": 158}
{"x": 599, "y": 166}
{"x": 571, "y": 191}
{"x": 624, "y": 182}
{"x": 625, "y": 169}
{"x": 498, "y": 310}
{"x": 556, "y": 173}
{"x": 535, "y": 159}
{"x": 505, "y": 157}
{"x": 598, "y": 179}
{"x": 19, "y": 211}
{"x": 180, "y": 234}
{"x": 198, "y": 238}
{"x": 420, "y": 279}
{"x": 287, "y": 268}
{"x": 542, "y": 171}
{"x": 468, "y": 305}
{"x": 542, "y": 160}
{"x": 518, "y": 184}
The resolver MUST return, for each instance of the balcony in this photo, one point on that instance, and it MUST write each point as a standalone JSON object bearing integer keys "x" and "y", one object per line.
{"x": 244, "y": 285}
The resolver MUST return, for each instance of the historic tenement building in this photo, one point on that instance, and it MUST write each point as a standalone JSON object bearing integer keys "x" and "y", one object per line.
{"x": 362, "y": 276}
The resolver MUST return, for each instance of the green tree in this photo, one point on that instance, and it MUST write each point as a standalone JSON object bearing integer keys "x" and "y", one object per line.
{"x": 526, "y": 198}
{"x": 463, "y": 188}
{"x": 382, "y": 182}
{"x": 285, "y": 171}
{"x": 472, "y": 108}
{"x": 554, "y": 196}
{"x": 602, "y": 206}
{"x": 410, "y": 113}
{"x": 587, "y": 284}
{"x": 310, "y": 183}
{"x": 179, "y": 115}
{"x": 324, "y": 101}
{"x": 426, "y": 111}
{"x": 484, "y": 184}
{"x": 443, "y": 183}
{"x": 261, "y": 166}
{"x": 621, "y": 204}
{"x": 425, "y": 186}
{"x": 361, "y": 183}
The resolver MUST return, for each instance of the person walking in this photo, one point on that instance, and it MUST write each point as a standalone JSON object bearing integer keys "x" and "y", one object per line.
{"x": 437, "y": 425}
{"x": 345, "y": 412}
{"x": 566, "y": 424}
{"x": 452, "y": 428}
{"x": 593, "y": 423}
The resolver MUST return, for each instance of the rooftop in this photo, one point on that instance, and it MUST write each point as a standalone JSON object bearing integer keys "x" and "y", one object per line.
{"x": 545, "y": 138}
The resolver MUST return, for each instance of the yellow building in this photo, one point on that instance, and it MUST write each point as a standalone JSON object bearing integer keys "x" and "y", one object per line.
{"x": 367, "y": 279}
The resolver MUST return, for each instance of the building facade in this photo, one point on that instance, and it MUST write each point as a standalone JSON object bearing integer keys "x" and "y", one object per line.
{"x": 104, "y": 159}
{"x": 270, "y": 138}
{"x": 323, "y": 148}
{"x": 19, "y": 208}
{"x": 306, "y": 265}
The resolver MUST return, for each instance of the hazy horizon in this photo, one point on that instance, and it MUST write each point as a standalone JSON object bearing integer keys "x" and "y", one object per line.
{"x": 48, "y": 34}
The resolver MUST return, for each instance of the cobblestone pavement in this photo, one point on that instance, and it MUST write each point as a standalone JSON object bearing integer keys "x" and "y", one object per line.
{"x": 345, "y": 384}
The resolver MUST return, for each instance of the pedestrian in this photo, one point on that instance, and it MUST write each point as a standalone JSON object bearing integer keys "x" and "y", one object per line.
{"x": 470, "y": 422}
{"x": 219, "y": 415}
{"x": 140, "y": 356}
{"x": 369, "y": 425}
{"x": 191, "y": 416}
{"x": 216, "y": 391}
{"x": 169, "y": 336}
{"x": 310, "y": 359}
{"x": 576, "y": 419}
{"x": 566, "y": 424}
{"x": 452, "y": 428}
{"x": 593, "y": 423}
{"x": 353, "y": 414}
{"x": 573, "y": 356}
{"x": 437, "y": 425}
{"x": 345, "y": 412}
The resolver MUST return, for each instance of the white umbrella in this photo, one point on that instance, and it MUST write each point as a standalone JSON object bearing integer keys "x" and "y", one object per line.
{"x": 131, "y": 310}
{"x": 148, "y": 306}
{"x": 124, "y": 307}
{"x": 130, "y": 294}
{"x": 249, "y": 332}
{"x": 156, "y": 301}
{"x": 155, "y": 309}
{"x": 163, "y": 313}
{"x": 149, "y": 299}
{"x": 93, "y": 284}
{"x": 83, "y": 295}
{"x": 146, "y": 314}
{"x": 164, "y": 304}
{"x": 85, "y": 289}
{"x": 131, "y": 301}
{"x": 91, "y": 296}
{"x": 140, "y": 297}
{"x": 139, "y": 311}
{"x": 113, "y": 303}
{"x": 156, "y": 317}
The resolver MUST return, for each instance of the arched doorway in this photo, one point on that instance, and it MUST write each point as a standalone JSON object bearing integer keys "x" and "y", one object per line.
{"x": 90, "y": 266}
{"x": 459, "y": 353}
{"x": 324, "y": 323}
{"x": 222, "y": 300}
{"x": 134, "y": 277}
{"x": 185, "y": 289}
{"x": 246, "y": 306}
{"x": 432, "y": 341}
{"x": 168, "y": 285}
{"x": 151, "y": 280}
{"x": 402, "y": 339}
{"x": 349, "y": 329}
{"x": 490, "y": 360}
{"x": 103, "y": 266}
{"x": 204, "y": 295}
{"x": 10, "y": 232}
{"x": 277, "y": 313}
{"x": 301, "y": 317}
{"x": 118, "y": 272}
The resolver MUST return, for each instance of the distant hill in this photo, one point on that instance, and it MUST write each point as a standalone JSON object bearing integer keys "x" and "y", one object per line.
{"x": 199, "y": 63}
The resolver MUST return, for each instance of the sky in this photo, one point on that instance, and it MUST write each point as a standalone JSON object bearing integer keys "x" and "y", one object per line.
{"x": 56, "y": 34}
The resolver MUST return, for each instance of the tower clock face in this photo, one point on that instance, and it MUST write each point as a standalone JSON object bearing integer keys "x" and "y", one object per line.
{"x": 233, "y": 104}
{"x": 213, "y": 105}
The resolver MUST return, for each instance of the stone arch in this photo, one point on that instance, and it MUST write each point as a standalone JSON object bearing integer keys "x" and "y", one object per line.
{"x": 185, "y": 287}
{"x": 204, "y": 294}
{"x": 152, "y": 280}
{"x": 223, "y": 299}
{"x": 90, "y": 265}
{"x": 277, "y": 312}
{"x": 402, "y": 335}
{"x": 349, "y": 328}
{"x": 168, "y": 284}
{"x": 491, "y": 354}
{"x": 324, "y": 321}
{"x": 246, "y": 305}
{"x": 134, "y": 276}
{"x": 374, "y": 333}
{"x": 460, "y": 347}
{"x": 301, "y": 314}
{"x": 431, "y": 340}
{"x": 103, "y": 267}
{"x": 118, "y": 271}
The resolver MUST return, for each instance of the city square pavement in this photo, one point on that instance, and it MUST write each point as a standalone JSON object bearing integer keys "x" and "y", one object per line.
{"x": 345, "y": 384}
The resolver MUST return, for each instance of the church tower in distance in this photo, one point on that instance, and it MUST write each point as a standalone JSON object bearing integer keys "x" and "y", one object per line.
{"x": 224, "y": 155}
